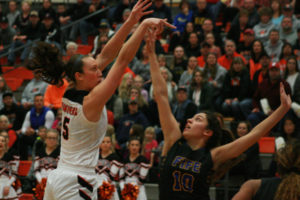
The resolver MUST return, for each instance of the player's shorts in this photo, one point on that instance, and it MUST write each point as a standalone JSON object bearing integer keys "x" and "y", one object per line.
{"x": 66, "y": 183}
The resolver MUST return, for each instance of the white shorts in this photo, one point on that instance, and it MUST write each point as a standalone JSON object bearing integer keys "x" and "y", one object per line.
{"x": 69, "y": 184}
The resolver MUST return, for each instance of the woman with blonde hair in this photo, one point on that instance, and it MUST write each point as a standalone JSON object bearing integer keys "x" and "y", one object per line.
{"x": 126, "y": 83}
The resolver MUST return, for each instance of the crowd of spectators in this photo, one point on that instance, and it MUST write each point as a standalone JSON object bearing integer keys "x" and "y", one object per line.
{"x": 224, "y": 56}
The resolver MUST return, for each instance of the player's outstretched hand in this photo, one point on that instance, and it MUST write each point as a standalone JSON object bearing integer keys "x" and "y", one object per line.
{"x": 150, "y": 42}
{"x": 157, "y": 25}
{"x": 284, "y": 98}
{"x": 139, "y": 10}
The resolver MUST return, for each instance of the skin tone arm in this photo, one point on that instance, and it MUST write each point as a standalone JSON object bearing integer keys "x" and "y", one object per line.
{"x": 168, "y": 122}
{"x": 248, "y": 190}
{"x": 97, "y": 98}
{"x": 112, "y": 48}
{"x": 237, "y": 147}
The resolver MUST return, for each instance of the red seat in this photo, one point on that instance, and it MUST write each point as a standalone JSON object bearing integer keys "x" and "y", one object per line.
{"x": 24, "y": 167}
{"x": 25, "y": 196}
{"x": 7, "y": 68}
{"x": 267, "y": 145}
{"x": 13, "y": 83}
{"x": 84, "y": 49}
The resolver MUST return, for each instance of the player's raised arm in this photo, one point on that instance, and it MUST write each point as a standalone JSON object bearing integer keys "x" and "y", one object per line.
{"x": 98, "y": 97}
{"x": 168, "y": 122}
{"x": 112, "y": 48}
{"x": 237, "y": 147}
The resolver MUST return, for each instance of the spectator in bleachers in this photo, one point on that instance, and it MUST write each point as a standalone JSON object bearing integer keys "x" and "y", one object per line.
{"x": 230, "y": 53}
{"x": 63, "y": 18}
{"x": 99, "y": 43}
{"x": 28, "y": 33}
{"x": 13, "y": 12}
{"x": 214, "y": 74}
{"x": 297, "y": 9}
{"x": 54, "y": 94}
{"x": 13, "y": 150}
{"x": 125, "y": 85}
{"x": 183, "y": 108}
{"x": 204, "y": 50}
{"x": 125, "y": 16}
{"x": 261, "y": 74}
{"x": 12, "y": 135}
{"x": 208, "y": 27}
{"x": 50, "y": 31}
{"x": 141, "y": 66}
{"x": 185, "y": 15}
{"x": 34, "y": 87}
{"x": 47, "y": 157}
{"x": 23, "y": 18}
{"x": 71, "y": 49}
{"x": 249, "y": 5}
{"x": 287, "y": 31}
{"x": 277, "y": 12}
{"x": 251, "y": 165}
{"x": 161, "y": 10}
{"x": 244, "y": 48}
{"x": 39, "y": 142}
{"x": 236, "y": 91}
{"x": 115, "y": 104}
{"x": 200, "y": 92}
{"x": 89, "y": 26}
{"x": 138, "y": 82}
{"x": 39, "y": 115}
{"x": 257, "y": 50}
{"x": 288, "y": 11}
{"x": 290, "y": 129}
{"x": 274, "y": 45}
{"x": 135, "y": 116}
{"x": 265, "y": 25}
{"x": 14, "y": 112}
{"x": 268, "y": 89}
{"x": 135, "y": 93}
{"x": 149, "y": 145}
{"x": 171, "y": 86}
{"x": 210, "y": 39}
{"x": 75, "y": 12}
{"x": 203, "y": 12}
{"x": 286, "y": 52}
{"x": 182, "y": 39}
{"x": 3, "y": 89}
{"x": 292, "y": 76}
{"x": 286, "y": 186}
{"x": 192, "y": 48}
{"x": 47, "y": 8}
{"x": 186, "y": 77}
{"x": 178, "y": 63}
{"x": 9, "y": 170}
{"x": 118, "y": 12}
{"x": 237, "y": 30}
{"x": 7, "y": 34}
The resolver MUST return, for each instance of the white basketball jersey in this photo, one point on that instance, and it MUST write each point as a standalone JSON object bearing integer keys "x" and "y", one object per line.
{"x": 80, "y": 138}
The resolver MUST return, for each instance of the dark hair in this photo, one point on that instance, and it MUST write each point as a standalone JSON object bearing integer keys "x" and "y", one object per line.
{"x": 274, "y": 30}
{"x": 137, "y": 131}
{"x": 265, "y": 11}
{"x": 256, "y": 60}
{"x": 288, "y": 161}
{"x": 182, "y": 3}
{"x": 287, "y": 69}
{"x": 236, "y": 60}
{"x": 47, "y": 62}
{"x": 283, "y": 46}
{"x": 193, "y": 83}
{"x": 213, "y": 125}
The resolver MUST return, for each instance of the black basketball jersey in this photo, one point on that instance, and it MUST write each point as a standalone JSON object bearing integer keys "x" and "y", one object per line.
{"x": 184, "y": 172}
{"x": 267, "y": 189}
{"x": 109, "y": 166}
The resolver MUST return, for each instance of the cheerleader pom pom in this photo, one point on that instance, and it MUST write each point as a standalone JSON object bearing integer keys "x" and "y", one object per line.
{"x": 130, "y": 192}
{"x": 105, "y": 191}
{"x": 40, "y": 189}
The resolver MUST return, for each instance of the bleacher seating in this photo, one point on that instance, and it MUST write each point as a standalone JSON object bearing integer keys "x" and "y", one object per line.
{"x": 24, "y": 167}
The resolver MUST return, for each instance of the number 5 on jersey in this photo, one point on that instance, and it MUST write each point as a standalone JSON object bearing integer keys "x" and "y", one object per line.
{"x": 66, "y": 128}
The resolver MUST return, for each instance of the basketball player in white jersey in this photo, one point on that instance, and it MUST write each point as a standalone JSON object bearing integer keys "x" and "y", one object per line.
{"x": 84, "y": 117}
